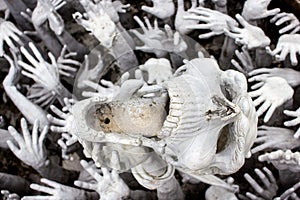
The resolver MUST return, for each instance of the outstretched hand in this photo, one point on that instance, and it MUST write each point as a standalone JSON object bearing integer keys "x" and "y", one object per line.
{"x": 162, "y": 9}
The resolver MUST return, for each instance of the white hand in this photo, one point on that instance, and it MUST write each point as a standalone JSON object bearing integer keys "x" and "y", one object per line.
{"x": 40, "y": 71}
{"x": 272, "y": 92}
{"x": 62, "y": 125}
{"x": 213, "y": 20}
{"x": 162, "y": 9}
{"x": 108, "y": 90}
{"x": 181, "y": 24}
{"x": 287, "y": 44}
{"x": 159, "y": 70}
{"x": 56, "y": 191}
{"x": 258, "y": 9}
{"x": 31, "y": 148}
{"x": 108, "y": 186}
{"x": 269, "y": 188}
{"x": 9, "y": 31}
{"x": 246, "y": 61}
{"x": 275, "y": 138}
{"x": 64, "y": 63}
{"x": 250, "y": 36}
{"x": 282, "y": 18}
{"x": 289, "y": 193}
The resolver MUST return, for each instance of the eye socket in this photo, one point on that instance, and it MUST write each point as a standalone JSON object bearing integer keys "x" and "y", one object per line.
{"x": 106, "y": 121}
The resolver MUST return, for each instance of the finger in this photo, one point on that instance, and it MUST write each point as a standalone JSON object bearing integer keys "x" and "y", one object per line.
{"x": 291, "y": 113}
{"x": 138, "y": 34}
{"x": 207, "y": 35}
{"x": 262, "y": 177}
{"x": 282, "y": 20}
{"x": 260, "y": 77}
{"x": 260, "y": 71}
{"x": 269, "y": 174}
{"x": 293, "y": 56}
{"x": 18, "y": 138}
{"x": 26, "y": 66}
{"x": 115, "y": 160}
{"x": 35, "y": 133}
{"x": 283, "y": 54}
{"x": 169, "y": 31}
{"x": 261, "y": 147}
{"x": 263, "y": 108}
{"x": 253, "y": 183}
{"x": 12, "y": 147}
{"x": 42, "y": 137}
{"x": 58, "y": 112}
{"x": 36, "y": 52}
{"x": 287, "y": 28}
{"x": 259, "y": 100}
{"x": 251, "y": 196}
{"x": 106, "y": 83}
{"x": 37, "y": 198}
{"x": 141, "y": 24}
{"x": 270, "y": 112}
{"x": 26, "y": 134}
{"x": 277, "y": 16}
{"x": 272, "y": 12}
{"x": 51, "y": 183}
{"x": 297, "y": 134}
{"x": 293, "y": 122}
{"x": 238, "y": 66}
{"x": 257, "y": 85}
{"x": 106, "y": 174}
{"x": 292, "y": 32}
{"x": 230, "y": 34}
{"x": 147, "y": 21}
{"x": 255, "y": 93}
{"x": 85, "y": 185}
{"x": 42, "y": 188}
{"x": 241, "y": 20}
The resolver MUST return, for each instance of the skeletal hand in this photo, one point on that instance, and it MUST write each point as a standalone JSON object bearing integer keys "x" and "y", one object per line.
{"x": 275, "y": 138}
{"x": 250, "y": 36}
{"x": 258, "y": 9}
{"x": 290, "y": 75}
{"x": 269, "y": 188}
{"x": 212, "y": 20}
{"x": 283, "y": 160}
{"x": 159, "y": 70}
{"x": 289, "y": 193}
{"x": 64, "y": 63}
{"x": 8, "y": 196}
{"x": 162, "y": 9}
{"x": 293, "y": 122}
{"x": 282, "y": 18}
{"x": 108, "y": 186}
{"x": 56, "y": 191}
{"x": 246, "y": 61}
{"x": 47, "y": 10}
{"x": 152, "y": 37}
{"x": 31, "y": 148}
{"x": 98, "y": 21}
{"x": 287, "y": 44}
{"x": 272, "y": 92}
{"x": 40, "y": 95}
{"x": 9, "y": 34}
{"x": 40, "y": 71}
{"x": 181, "y": 24}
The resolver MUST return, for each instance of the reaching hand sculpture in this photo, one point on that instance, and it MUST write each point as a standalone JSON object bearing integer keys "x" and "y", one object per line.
{"x": 151, "y": 38}
{"x": 250, "y": 36}
{"x": 97, "y": 21}
{"x": 31, "y": 148}
{"x": 269, "y": 188}
{"x": 108, "y": 186}
{"x": 213, "y": 20}
{"x": 43, "y": 73}
{"x": 272, "y": 92}
{"x": 8, "y": 32}
{"x": 159, "y": 70}
{"x": 47, "y": 10}
{"x": 287, "y": 44}
{"x": 246, "y": 61}
{"x": 8, "y": 196}
{"x": 293, "y": 122}
{"x": 221, "y": 193}
{"x": 109, "y": 8}
{"x": 56, "y": 191}
{"x": 173, "y": 43}
{"x": 254, "y": 10}
{"x": 283, "y": 18}
{"x": 283, "y": 160}
{"x": 120, "y": 7}
{"x": 275, "y": 138}
{"x": 62, "y": 125}
{"x": 87, "y": 74}
{"x": 162, "y": 9}
{"x": 181, "y": 24}
{"x": 290, "y": 75}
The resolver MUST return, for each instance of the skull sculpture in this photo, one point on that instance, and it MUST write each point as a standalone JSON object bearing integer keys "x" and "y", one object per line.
{"x": 201, "y": 122}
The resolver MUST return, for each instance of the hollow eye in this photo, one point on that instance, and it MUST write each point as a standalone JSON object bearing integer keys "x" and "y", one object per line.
{"x": 106, "y": 121}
